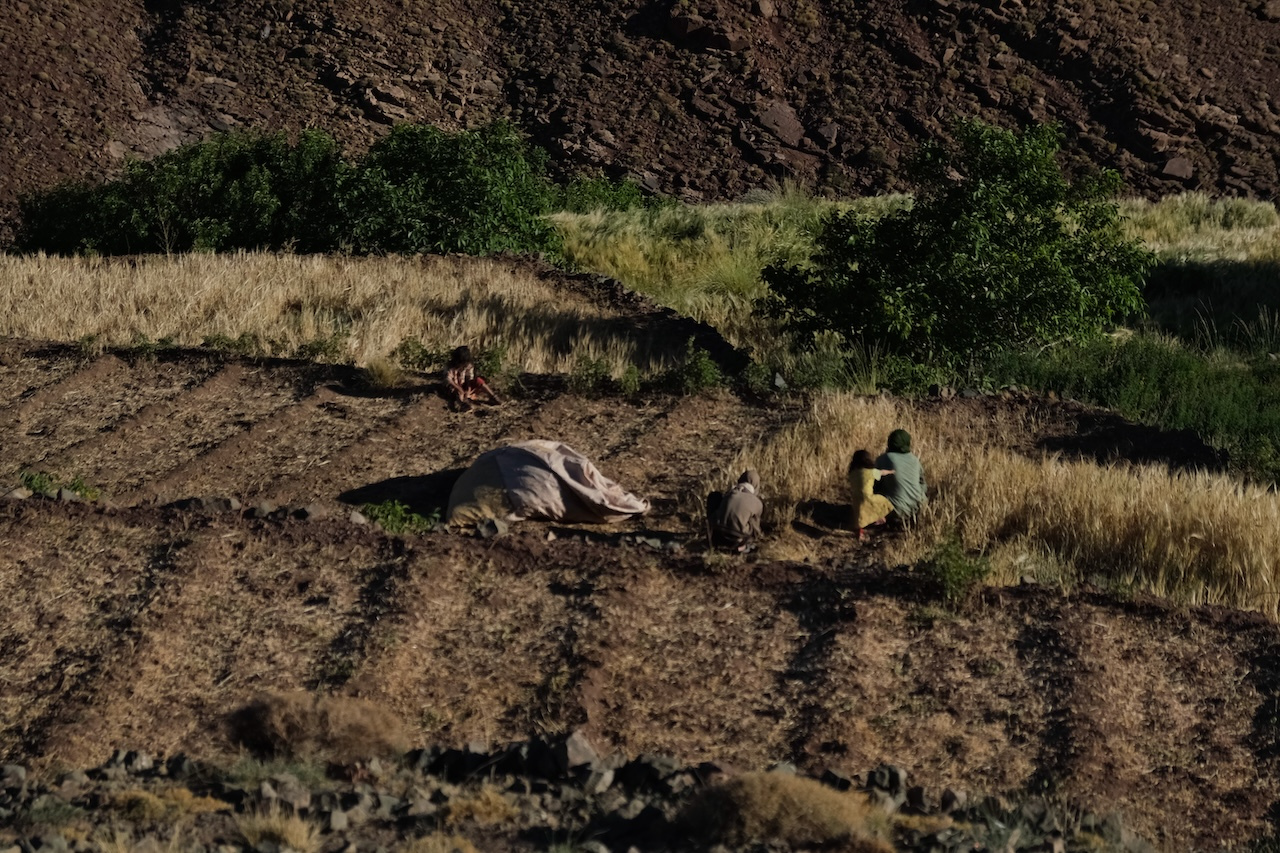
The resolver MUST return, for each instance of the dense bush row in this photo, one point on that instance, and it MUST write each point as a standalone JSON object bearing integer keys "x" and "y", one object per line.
{"x": 419, "y": 189}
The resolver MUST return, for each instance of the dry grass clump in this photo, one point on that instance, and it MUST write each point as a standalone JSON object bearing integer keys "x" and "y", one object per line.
{"x": 299, "y": 724}
{"x": 438, "y": 842}
{"x": 171, "y": 804}
{"x": 284, "y": 829}
{"x": 787, "y": 809}
{"x": 342, "y": 308}
{"x": 487, "y": 807}
{"x": 1195, "y": 537}
{"x": 122, "y": 841}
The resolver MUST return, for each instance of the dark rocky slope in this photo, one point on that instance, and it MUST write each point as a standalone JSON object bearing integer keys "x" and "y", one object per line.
{"x": 705, "y": 99}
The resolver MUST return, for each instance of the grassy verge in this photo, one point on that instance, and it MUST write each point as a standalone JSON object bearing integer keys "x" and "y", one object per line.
{"x": 705, "y": 261}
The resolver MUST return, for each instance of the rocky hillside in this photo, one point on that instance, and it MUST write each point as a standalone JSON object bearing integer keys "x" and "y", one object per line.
{"x": 705, "y": 99}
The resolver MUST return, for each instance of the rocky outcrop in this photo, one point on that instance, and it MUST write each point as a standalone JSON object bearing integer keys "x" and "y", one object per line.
{"x": 518, "y": 796}
{"x": 705, "y": 102}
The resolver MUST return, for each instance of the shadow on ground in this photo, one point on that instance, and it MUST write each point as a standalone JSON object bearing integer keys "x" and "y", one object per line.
{"x": 421, "y": 494}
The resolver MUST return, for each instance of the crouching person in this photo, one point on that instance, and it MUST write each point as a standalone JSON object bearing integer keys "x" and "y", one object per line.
{"x": 734, "y": 520}
{"x": 462, "y": 385}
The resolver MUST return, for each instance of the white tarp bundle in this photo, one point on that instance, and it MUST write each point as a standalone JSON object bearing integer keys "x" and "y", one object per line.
{"x": 539, "y": 479}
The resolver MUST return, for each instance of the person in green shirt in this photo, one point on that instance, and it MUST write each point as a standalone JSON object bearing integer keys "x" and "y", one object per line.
{"x": 905, "y": 487}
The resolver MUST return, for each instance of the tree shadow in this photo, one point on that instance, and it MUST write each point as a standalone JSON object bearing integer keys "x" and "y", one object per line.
{"x": 421, "y": 494}
{"x": 1105, "y": 437}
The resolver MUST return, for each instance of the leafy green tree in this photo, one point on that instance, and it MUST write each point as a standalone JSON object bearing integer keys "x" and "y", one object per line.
{"x": 234, "y": 191}
{"x": 998, "y": 251}
{"x": 478, "y": 192}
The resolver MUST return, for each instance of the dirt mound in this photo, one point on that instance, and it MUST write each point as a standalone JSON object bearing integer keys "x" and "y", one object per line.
{"x": 137, "y": 623}
{"x": 705, "y": 100}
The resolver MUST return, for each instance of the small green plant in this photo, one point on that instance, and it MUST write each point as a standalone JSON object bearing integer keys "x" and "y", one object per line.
{"x": 590, "y": 376}
{"x": 40, "y": 482}
{"x": 696, "y": 372}
{"x": 332, "y": 348}
{"x": 957, "y": 573}
{"x": 491, "y": 361}
{"x": 630, "y": 382}
{"x": 412, "y": 355}
{"x": 83, "y": 489}
{"x": 395, "y": 517}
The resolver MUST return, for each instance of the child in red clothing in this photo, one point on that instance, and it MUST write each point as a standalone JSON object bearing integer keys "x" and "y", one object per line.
{"x": 461, "y": 382}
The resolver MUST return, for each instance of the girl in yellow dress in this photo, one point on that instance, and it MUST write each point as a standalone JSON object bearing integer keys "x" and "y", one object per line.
{"x": 868, "y": 507}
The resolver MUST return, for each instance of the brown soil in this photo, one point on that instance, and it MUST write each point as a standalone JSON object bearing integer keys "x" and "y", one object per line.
{"x": 138, "y": 625}
{"x": 706, "y": 100}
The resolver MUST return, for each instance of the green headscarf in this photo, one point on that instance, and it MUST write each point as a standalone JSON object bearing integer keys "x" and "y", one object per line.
{"x": 899, "y": 441}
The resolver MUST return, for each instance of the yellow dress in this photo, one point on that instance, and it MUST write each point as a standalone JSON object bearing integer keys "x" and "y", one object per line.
{"x": 868, "y": 507}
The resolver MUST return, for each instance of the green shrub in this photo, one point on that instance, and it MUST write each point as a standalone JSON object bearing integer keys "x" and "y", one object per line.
{"x": 419, "y": 189}
{"x": 477, "y": 192}
{"x": 696, "y": 372}
{"x": 412, "y": 355}
{"x": 590, "y": 376}
{"x": 956, "y": 573}
{"x": 997, "y": 251}
{"x": 395, "y": 517}
{"x": 586, "y": 195}
{"x": 234, "y": 191}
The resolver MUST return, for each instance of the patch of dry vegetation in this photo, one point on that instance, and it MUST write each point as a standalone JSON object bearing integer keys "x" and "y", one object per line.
{"x": 486, "y": 807}
{"x": 301, "y": 724}
{"x": 346, "y": 309}
{"x": 172, "y": 804}
{"x": 280, "y": 828}
{"x": 788, "y": 809}
{"x": 438, "y": 842}
{"x": 1192, "y": 536}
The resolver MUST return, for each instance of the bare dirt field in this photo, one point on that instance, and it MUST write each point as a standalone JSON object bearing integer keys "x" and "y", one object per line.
{"x": 133, "y": 623}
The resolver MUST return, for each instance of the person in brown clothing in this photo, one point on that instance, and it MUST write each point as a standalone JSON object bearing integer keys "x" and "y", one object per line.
{"x": 734, "y": 521}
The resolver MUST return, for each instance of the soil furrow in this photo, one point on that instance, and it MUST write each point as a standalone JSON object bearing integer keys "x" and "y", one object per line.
{"x": 163, "y": 434}
{"x": 291, "y": 439}
{"x": 25, "y": 372}
{"x": 76, "y": 411}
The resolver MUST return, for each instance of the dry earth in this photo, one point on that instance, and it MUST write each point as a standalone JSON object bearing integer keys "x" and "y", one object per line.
{"x": 706, "y": 99}
{"x": 130, "y": 623}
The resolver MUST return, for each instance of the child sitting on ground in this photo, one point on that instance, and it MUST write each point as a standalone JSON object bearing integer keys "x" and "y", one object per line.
{"x": 868, "y": 507}
{"x": 461, "y": 382}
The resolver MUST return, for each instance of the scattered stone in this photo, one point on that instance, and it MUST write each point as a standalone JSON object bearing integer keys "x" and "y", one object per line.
{"x": 1179, "y": 167}
{"x": 357, "y": 517}
{"x": 262, "y": 510}
{"x": 780, "y": 118}
{"x": 69, "y": 497}
{"x": 767, "y": 10}
{"x": 1271, "y": 10}
{"x": 13, "y": 776}
{"x": 783, "y": 767}
{"x": 576, "y": 751}
{"x": 138, "y": 762}
{"x": 598, "y": 782}
{"x": 890, "y": 778}
{"x": 19, "y": 494}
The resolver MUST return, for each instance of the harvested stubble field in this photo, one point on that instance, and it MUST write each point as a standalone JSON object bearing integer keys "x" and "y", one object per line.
{"x": 140, "y": 625}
